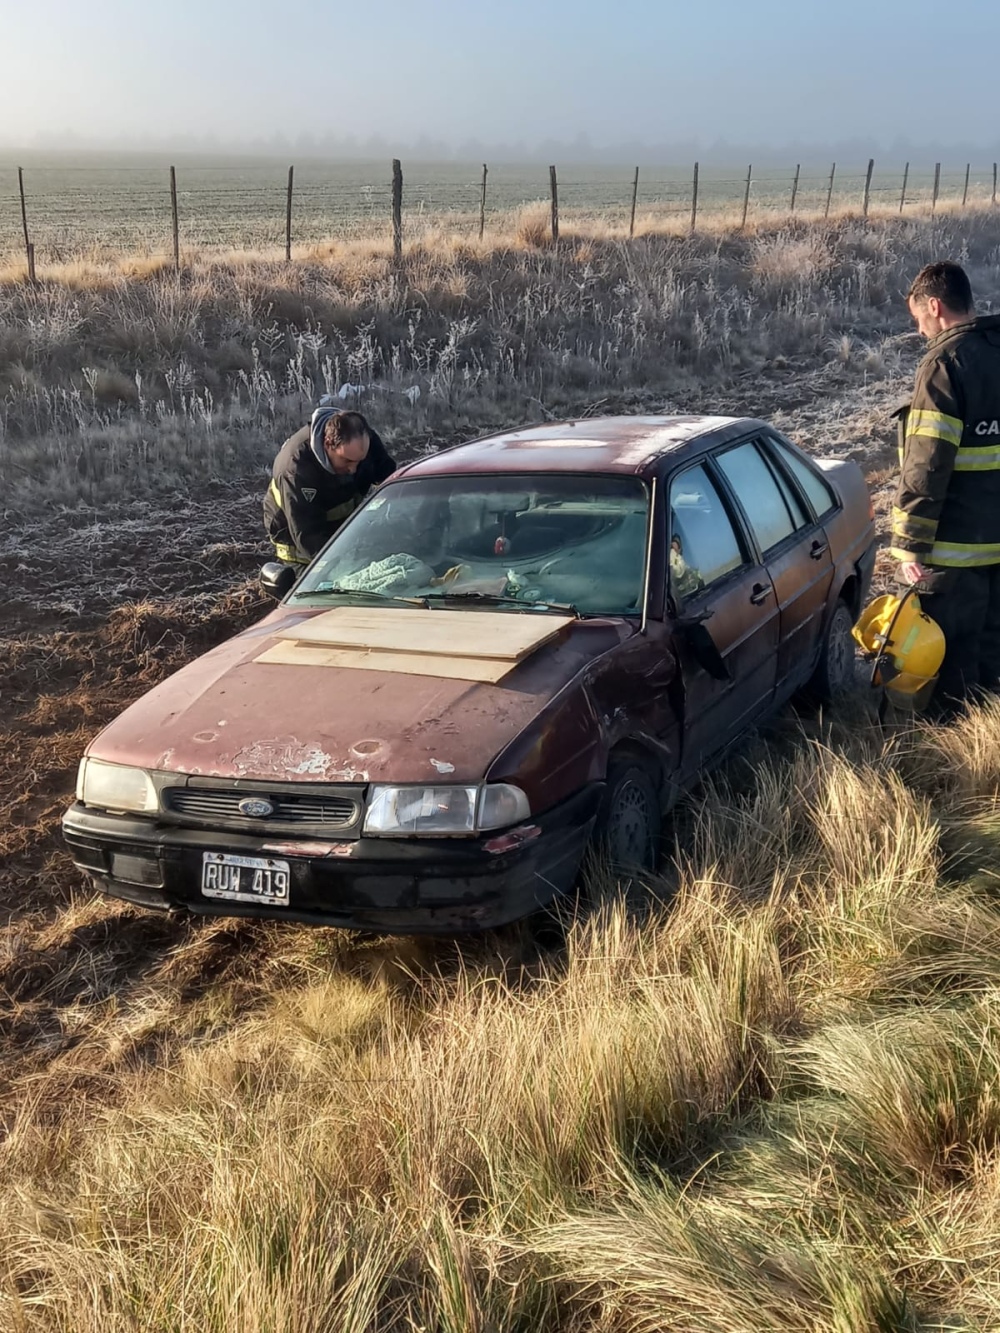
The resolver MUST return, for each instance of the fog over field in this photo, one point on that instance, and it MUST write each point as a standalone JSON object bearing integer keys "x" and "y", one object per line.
{"x": 513, "y": 79}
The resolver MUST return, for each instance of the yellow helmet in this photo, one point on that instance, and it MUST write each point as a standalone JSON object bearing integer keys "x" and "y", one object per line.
{"x": 907, "y": 645}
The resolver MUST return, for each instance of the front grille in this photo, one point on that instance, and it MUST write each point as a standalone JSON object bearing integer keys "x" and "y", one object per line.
{"x": 333, "y": 812}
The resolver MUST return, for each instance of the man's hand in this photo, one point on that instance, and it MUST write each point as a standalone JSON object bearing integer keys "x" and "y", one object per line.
{"x": 912, "y": 571}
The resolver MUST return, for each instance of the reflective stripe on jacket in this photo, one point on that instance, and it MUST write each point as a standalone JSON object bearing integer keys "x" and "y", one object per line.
{"x": 947, "y": 508}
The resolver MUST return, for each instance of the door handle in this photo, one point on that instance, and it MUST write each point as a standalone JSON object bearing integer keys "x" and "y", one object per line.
{"x": 818, "y": 549}
{"x": 760, "y": 593}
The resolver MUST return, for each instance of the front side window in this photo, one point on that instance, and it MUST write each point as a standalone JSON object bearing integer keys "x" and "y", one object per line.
{"x": 527, "y": 538}
{"x": 758, "y": 492}
{"x": 704, "y": 546}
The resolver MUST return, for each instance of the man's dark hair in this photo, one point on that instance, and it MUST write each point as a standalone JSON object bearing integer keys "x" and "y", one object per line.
{"x": 946, "y": 281}
{"x": 344, "y": 427}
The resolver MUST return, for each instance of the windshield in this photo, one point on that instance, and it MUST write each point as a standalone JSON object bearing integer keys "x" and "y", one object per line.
{"x": 531, "y": 538}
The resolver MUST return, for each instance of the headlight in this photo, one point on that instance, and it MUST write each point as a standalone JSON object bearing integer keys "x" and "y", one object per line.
{"x": 501, "y": 805}
{"x": 115, "y": 787}
{"x": 446, "y": 811}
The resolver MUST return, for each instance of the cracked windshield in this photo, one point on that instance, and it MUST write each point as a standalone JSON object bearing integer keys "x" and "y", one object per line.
{"x": 526, "y": 541}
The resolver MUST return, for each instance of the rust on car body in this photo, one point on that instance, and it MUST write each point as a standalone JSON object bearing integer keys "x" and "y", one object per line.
{"x": 703, "y": 568}
{"x": 305, "y": 724}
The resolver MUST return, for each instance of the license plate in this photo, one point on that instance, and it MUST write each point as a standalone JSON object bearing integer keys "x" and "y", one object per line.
{"x": 245, "y": 879}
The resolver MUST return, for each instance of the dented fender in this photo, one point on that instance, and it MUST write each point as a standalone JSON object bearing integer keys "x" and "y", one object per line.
{"x": 628, "y": 695}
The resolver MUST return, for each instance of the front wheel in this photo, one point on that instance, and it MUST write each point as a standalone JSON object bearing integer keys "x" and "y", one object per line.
{"x": 626, "y": 840}
{"x": 627, "y": 834}
{"x": 834, "y": 674}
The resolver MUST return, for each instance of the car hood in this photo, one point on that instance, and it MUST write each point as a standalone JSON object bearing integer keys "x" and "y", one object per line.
{"x": 226, "y": 715}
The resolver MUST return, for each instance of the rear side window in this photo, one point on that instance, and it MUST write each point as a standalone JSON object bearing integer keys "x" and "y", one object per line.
{"x": 819, "y": 493}
{"x": 703, "y": 543}
{"x": 760, "y": 495}
{"x": 799, "y": 516}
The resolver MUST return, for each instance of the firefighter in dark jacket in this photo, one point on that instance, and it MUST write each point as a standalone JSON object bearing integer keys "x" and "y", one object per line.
{"x": 320, "y": 476}
{"x": 946, "y": 517}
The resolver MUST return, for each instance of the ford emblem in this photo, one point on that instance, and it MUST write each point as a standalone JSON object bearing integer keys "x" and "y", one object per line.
{"x": 255, "y": 808}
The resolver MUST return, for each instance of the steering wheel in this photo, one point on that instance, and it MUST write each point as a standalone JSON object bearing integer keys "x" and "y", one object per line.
{"x": 547, "y": 566}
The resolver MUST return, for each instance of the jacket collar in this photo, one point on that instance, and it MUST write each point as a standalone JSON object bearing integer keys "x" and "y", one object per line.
{"x": 981, "y": 324}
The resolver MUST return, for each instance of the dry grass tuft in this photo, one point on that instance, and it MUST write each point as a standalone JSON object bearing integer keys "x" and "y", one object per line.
{"x": 786, "y": 260}
{"x": 145, "y": 266}
{"x": 533, "y": 226}
{"x": 961, "y": 763}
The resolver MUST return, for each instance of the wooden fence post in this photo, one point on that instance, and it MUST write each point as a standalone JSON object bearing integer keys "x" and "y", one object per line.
{"x": 397, "y": 210}
{"x": 29, "y": 249}
{"x": 746, "y": 197}
{"x": 902, "y": 193}
{"x": 288, "y": 217}
{"x": 554, "y": 187}
{"x": 868, "y": 188}
{"x": 965, "y": 192}
{"x": 482, "y": 206}
{"x": 694, "y": 200}
{"x": 937, "y": 185}
{"x": 173, "y": 209}
{"x": 795, "y": 186}
{"x": 829, "y": 192}
{"x": 635, "y": 196}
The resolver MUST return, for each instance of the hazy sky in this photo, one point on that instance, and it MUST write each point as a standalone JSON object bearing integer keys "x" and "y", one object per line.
{"x": 766, "y": 71}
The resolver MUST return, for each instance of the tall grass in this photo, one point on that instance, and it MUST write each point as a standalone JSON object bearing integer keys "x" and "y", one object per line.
{"x": 121, "y": 378}
{"x": 766, "y": 1096}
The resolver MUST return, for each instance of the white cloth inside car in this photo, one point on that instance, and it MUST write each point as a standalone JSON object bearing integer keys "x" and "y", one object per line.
{"x": 396, "y": 573}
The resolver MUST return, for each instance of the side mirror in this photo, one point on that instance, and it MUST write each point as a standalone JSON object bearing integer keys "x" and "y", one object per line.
{"x": 277, "y": 579}
{"x": 702, "y": 645}
{"x": 689, "y": 622}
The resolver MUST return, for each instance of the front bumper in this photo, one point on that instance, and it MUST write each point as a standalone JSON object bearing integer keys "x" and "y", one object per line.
{"x": 403, "y": 886}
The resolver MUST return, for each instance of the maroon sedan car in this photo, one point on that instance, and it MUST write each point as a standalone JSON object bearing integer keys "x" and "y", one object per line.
{"x": 515, "y": 649}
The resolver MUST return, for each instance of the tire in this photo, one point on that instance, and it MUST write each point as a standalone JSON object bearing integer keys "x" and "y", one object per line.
{"x": 630, "y": 804}
{"x": 834, "y": 674}
{"x": 627, "y": 833}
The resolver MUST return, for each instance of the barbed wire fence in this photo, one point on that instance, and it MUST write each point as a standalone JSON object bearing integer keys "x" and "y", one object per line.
{"x": 58, "y": 214}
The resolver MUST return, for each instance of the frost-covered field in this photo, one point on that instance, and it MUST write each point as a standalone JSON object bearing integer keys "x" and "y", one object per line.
{"x": 87, "y": 205}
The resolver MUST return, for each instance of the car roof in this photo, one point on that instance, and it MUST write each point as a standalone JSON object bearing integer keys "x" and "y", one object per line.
{"x": 627, "y": 444}
{"x": 624, "y": 444}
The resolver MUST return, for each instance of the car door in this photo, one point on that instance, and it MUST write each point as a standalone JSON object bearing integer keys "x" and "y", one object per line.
{"x": 722, "y": 604}
{"x": 793, "y": 546}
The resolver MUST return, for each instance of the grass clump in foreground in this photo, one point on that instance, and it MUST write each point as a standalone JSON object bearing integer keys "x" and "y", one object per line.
{"x": 770, "y": 1101}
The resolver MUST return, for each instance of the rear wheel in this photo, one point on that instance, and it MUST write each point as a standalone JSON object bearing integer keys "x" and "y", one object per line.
{"x": 834, "y": 674}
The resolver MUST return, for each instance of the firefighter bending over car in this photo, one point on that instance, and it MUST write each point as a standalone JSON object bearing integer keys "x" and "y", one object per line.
{"x": 946, "y": 517}
{"x": 320, "y": 476}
